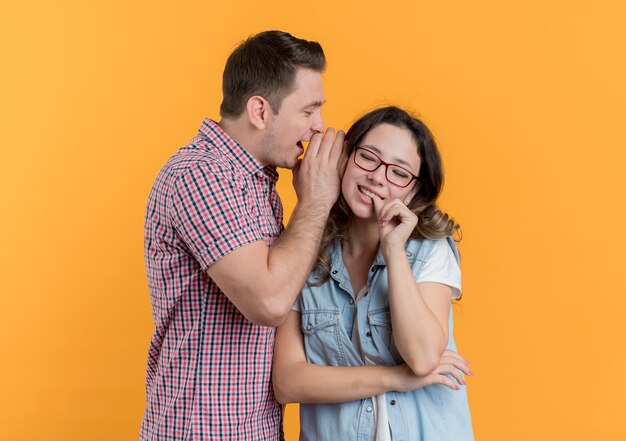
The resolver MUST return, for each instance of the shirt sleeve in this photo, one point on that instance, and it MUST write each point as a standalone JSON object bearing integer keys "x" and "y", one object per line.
{"x": 442, "y": 267}
{"x": 211, "y": 212}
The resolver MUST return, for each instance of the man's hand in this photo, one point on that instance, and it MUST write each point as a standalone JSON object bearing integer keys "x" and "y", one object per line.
{"x": 316, "y": 178}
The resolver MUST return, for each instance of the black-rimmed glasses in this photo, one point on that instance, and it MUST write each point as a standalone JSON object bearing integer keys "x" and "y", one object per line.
{"x": 370, "y": 161}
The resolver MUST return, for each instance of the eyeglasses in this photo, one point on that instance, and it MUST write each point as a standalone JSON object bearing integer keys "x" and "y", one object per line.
{"x": 395, "y": 174}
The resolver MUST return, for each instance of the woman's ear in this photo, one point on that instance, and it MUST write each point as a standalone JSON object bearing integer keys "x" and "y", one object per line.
{"x": 259, "y": 111}
{"x": 412, "y": 193}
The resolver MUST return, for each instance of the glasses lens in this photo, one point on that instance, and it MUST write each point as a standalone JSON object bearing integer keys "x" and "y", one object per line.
{"x": 366, "y": 160}
{"x": 399, "y": 176}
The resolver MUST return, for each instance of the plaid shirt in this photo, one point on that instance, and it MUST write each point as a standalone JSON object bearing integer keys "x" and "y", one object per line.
{"x": 208, "y": 373}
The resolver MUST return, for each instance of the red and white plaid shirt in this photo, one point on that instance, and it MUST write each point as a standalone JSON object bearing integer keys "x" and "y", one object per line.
{"x": 208, "y": 374}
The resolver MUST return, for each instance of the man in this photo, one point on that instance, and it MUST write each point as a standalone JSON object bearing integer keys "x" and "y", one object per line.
{"x": 220, "y": 278}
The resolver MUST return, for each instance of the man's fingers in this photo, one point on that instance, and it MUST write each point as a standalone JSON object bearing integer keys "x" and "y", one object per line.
{"x": 296, "y": 170}
{"x": 337, "y": 149}
{"x": 326, "y": 143}
{"x": 342, "y": 162}
{"x": 314, "y": 146}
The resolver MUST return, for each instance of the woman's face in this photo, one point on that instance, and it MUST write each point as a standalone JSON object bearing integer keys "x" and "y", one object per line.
{"x": 392, "y": 145}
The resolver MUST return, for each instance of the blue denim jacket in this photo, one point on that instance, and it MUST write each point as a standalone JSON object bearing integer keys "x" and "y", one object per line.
{"x": 433, "y": 413}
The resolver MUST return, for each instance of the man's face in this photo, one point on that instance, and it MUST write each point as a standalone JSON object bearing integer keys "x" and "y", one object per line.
{"x": 299, "y": 118}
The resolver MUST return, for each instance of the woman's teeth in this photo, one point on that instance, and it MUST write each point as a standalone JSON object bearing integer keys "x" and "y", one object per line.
{"x": 369, "y": 194}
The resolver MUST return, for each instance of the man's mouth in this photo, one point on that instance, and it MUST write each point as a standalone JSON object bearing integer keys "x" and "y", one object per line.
{"x": 300, "y": 145}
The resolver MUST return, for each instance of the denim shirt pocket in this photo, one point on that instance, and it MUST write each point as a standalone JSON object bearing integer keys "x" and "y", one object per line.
{"x": 322, "y": 337}
{"x": 381, "y": 329}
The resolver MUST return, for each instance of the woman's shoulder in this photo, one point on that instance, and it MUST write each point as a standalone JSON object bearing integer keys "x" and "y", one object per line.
{"x": 422, "y": 249}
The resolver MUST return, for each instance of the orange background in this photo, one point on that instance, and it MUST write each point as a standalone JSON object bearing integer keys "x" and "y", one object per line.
{"x": 526, "y": 100}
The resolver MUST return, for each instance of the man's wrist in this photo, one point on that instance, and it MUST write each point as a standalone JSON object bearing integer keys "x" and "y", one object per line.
{"x": 319, "y": 208}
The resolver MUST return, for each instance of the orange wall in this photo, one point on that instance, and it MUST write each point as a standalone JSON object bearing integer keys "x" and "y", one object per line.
{"x": 526, "y": 99}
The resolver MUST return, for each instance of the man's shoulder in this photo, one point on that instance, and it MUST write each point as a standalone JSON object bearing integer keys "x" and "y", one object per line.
{"x": 204, "y": 159}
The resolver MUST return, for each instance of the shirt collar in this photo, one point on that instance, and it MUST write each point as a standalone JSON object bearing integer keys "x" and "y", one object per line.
{"x": 337, "y": 259}
{"x": 212, "y": 132}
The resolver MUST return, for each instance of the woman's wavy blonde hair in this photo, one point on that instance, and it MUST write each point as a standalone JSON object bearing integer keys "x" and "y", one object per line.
{"x": 433, "y": 223}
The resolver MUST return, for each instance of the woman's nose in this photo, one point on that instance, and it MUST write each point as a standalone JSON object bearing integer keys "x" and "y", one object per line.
{"x": 378, "y": 175}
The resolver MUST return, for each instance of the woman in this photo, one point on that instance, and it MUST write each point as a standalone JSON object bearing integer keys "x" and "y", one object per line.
{"x": 368, "y": 349}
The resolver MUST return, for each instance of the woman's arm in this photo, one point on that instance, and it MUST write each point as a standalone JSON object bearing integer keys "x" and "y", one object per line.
{"x": 297, "y": 381}
{"x": 419, "y": 313}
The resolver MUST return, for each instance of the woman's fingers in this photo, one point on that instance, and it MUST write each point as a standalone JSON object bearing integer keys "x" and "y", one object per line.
{"x": 442, "y": 379}
{"x": 394, "y": 208}
{"x": 456, "y": 360}
{"x": 448, "y": 369}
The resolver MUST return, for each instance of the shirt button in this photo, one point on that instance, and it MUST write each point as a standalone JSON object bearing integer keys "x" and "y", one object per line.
{"x": 369, "y": 408}
{"x": 334, "y": 271}
{"x": 369, "y": 334}
{"x": 409, "y": 254}
{"x": 392, "y": 402}
{"x": 308, "y": 327}
{"x": 372, "y": 270}
{"x": 351, "y": 301}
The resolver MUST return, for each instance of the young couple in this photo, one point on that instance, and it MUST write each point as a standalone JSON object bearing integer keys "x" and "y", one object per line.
{"x": 367, "y": 344}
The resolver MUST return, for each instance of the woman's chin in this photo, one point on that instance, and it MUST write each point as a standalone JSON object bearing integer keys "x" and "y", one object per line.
{"x": 363, "y": 211}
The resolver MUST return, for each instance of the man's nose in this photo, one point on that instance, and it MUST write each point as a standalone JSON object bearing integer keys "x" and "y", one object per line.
{"x": 318, "y": 122}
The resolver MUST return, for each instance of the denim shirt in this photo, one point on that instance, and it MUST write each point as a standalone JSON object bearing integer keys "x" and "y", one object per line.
{"x": 433, "y": 413}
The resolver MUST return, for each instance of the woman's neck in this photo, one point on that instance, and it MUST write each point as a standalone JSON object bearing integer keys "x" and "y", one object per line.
{"x": 362, "y": 240}
{"x": 359, "y": 251}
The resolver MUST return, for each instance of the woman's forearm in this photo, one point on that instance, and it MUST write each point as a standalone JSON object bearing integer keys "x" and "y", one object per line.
{"x": 303, "y": 382}
{"x": 420, "y": 330}
{"x": 296, "y": 380}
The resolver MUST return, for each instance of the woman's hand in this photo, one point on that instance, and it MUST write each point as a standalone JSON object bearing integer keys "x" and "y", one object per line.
{"x": 395, "y": 222}
{"x": 451, "y": 364}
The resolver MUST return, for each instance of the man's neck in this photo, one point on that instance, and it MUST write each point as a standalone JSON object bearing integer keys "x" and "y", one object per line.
{"x": 243, "y": 134}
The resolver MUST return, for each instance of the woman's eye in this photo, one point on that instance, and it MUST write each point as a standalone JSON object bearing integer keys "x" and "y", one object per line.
{"x": 367, "y": 157}
{"x": 400, "y": 173}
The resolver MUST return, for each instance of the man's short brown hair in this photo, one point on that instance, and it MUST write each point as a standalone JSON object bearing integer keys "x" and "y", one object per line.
{"x": 265, "y": 65}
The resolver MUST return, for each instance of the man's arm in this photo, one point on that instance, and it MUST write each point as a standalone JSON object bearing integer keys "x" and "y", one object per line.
{"x": 264, "y": 283}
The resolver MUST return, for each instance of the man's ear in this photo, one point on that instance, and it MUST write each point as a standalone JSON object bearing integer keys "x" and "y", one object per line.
{"x": 259, "y": 111}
